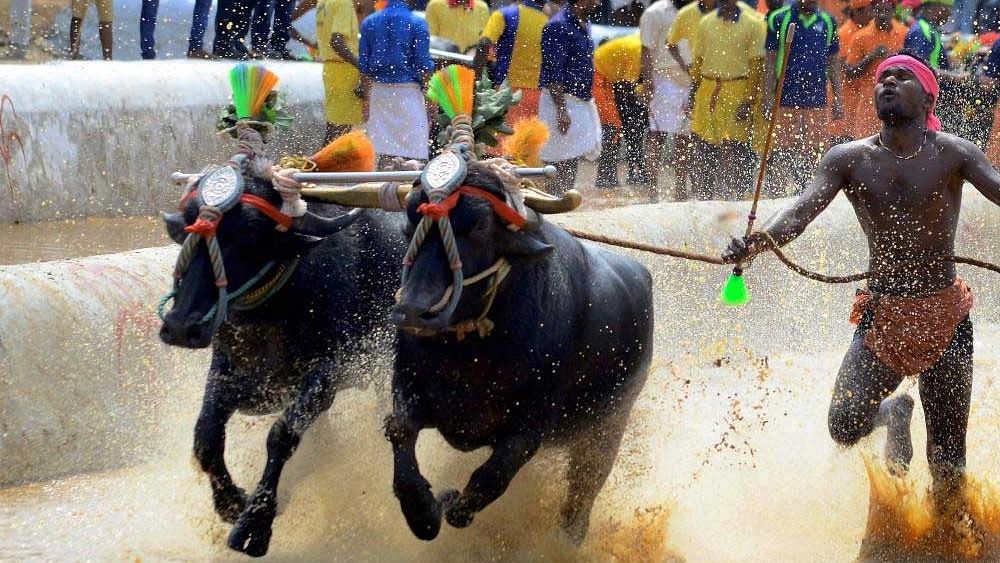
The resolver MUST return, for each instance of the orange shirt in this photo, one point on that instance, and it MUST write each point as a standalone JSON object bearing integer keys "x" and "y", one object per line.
{"x": 846, "y": 33}
{"x": 859, "y": 93}
{"x": 867, "y": 39}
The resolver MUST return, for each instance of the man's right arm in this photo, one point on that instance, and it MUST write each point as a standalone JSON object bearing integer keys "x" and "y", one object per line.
{"x": 789, "y": 223}
{"x": 495, "y": 27}
{"x": 339, "y": 46}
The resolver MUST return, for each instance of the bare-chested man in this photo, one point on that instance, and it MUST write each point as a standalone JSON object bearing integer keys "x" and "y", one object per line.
{"x": 906, "y": 188}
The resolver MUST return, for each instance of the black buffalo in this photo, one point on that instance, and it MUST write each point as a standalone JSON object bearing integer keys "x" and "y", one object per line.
{"x": 287, "y": 354}
{"x": 567, "y": 355}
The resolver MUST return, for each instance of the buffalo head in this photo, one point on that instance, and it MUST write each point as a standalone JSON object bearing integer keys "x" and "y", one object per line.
{"x": 248, "y": 241}
{"x": 482, "y": 238}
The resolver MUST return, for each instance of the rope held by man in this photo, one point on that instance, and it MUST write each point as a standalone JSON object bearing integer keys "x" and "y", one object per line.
{"x": 772, "y": 245}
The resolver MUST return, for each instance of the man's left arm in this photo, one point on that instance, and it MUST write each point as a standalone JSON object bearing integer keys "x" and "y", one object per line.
{"x": 836, "y": 82}
{"x": 980, "y": 172}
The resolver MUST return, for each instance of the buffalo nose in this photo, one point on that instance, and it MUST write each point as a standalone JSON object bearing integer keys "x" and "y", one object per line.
{"x": 187, "y": 333}
{"x": 408, "y": 314}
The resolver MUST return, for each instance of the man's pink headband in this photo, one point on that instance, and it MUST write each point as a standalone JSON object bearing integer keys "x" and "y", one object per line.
{"x": 924, "y": 75}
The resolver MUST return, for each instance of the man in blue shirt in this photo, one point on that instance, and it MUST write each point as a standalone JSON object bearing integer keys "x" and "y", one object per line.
{"x": 802, "y": 126}
{"x": 924, "y": 38}
{"x": 566, "y": 79}
{"x": 395, "y": 62}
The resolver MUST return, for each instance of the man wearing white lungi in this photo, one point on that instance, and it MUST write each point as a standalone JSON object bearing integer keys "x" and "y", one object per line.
{"x": 666, "y": 90}
{"x": 566, "y": 105}
{"x": 395, "y": 61}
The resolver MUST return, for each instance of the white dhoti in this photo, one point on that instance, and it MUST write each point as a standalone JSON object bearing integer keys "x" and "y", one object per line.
{"x": 584, "y": 135}
{"x": 666, "y": 109}
{"x": 397, "y": 120}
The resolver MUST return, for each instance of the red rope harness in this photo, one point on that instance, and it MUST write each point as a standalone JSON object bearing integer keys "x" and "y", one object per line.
{"x": 206, "y": 226}
{"x": 441, "y": 210}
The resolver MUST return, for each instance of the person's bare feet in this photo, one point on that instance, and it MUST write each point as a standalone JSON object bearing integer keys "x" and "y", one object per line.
{"x": 200, "y": 54}
{"x": 896, "y": 412}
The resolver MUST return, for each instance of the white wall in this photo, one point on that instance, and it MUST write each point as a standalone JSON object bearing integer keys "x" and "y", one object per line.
{"x": 100, "y": 139}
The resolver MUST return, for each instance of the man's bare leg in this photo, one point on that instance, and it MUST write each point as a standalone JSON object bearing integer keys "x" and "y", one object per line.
{"x": 859, "y": 404}
{"x": 104, "y": 30}
{"x": 655, "y": 143}
{"x": 565, "y": 175}
{"x": 945, "y": 393}
{"x": 682, "y": 154}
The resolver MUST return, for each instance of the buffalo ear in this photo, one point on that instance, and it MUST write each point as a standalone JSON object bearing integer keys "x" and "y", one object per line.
{"x": 175, "y": 226}
{"x": 525, "y": 246}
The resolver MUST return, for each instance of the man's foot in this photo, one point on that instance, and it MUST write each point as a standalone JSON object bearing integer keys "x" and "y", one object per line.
{"x": 201, "y": 54}
{"x": 895, "y": 413}
{"x": 15, "y": 53}
{"x": 281, "y": 54}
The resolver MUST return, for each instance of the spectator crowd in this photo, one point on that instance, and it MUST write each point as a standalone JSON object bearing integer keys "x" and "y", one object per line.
{"x": 693, "y": 86}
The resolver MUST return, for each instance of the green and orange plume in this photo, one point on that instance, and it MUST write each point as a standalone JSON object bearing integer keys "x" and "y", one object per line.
{"x": 251, "y": 85}
{"x": 453, "y": 89}
{"x": 524, "y": 145}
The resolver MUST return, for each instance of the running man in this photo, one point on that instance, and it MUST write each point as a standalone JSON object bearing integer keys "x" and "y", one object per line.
{"x": 905, "y": 184}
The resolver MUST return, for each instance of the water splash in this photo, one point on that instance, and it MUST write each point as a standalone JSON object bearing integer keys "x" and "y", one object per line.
{"x": 904, "y": 525}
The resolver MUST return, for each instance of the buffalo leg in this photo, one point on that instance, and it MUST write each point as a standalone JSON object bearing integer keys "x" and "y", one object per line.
{"x": 421, "y": 510}
{"x": 209, "y": 450}
{"x": 217, "y": 408}
{"x": 252, "y": 532}
{"x": 591, "y": 458}
{"x": 491, "y": 479}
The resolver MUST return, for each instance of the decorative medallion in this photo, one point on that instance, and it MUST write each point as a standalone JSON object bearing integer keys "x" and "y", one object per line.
{"x": 221, "y": 188}
{"x": 443, "y": 173}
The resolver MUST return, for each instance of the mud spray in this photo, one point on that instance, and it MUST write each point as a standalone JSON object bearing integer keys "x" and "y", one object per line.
{"x": 727, "y": 457}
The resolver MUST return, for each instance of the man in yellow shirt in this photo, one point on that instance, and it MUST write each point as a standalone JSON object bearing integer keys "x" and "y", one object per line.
{"x": 727, "y": 65}
{"x": 337, "y": 43}
{"x": 619, "y": 61}
{"x": 459, "y": 21}
{"x": 680, "y": 39}
{"x": 515, "y": 32}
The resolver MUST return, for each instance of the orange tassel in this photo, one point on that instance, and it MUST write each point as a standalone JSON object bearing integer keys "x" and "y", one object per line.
{"x": 526, "y": 142}
{"x": 350, "y": 152}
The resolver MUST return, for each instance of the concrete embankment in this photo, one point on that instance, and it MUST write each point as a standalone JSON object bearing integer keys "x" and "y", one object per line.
{"x": 85, "y": 383}
{"x": 101, "y": 139}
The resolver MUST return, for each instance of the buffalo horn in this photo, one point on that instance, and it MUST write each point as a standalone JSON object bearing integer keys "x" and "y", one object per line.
{"x": 367, "y": 195}
{"x": 358, "y": 195}
{"x": 549, "y": 204}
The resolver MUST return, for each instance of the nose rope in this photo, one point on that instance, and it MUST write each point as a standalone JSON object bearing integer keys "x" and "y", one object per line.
{"x": 437, "y": 211}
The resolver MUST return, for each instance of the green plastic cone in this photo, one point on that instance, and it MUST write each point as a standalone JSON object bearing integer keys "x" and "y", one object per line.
{"x": 734, "y": 293}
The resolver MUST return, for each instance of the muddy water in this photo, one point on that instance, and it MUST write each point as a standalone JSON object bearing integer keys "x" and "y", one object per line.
{"x": 727, "y": 457}
{"x": 38, "y": 242}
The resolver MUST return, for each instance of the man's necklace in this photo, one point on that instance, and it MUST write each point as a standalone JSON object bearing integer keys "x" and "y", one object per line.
{"x": 923, "y": 141}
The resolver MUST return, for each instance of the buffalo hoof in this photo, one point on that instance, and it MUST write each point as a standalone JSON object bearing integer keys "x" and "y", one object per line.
{"x": 230, "y": 504}
{"x": 252, "y": 533}
{"x": 457, "y": 515}
{"x": 421, "y": 510}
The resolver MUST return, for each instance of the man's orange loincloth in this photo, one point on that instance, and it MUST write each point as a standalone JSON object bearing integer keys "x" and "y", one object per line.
{"x": 909, "y": 334}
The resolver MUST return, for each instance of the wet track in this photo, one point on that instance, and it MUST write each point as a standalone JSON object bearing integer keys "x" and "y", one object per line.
{"x": 726, "y": 459}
